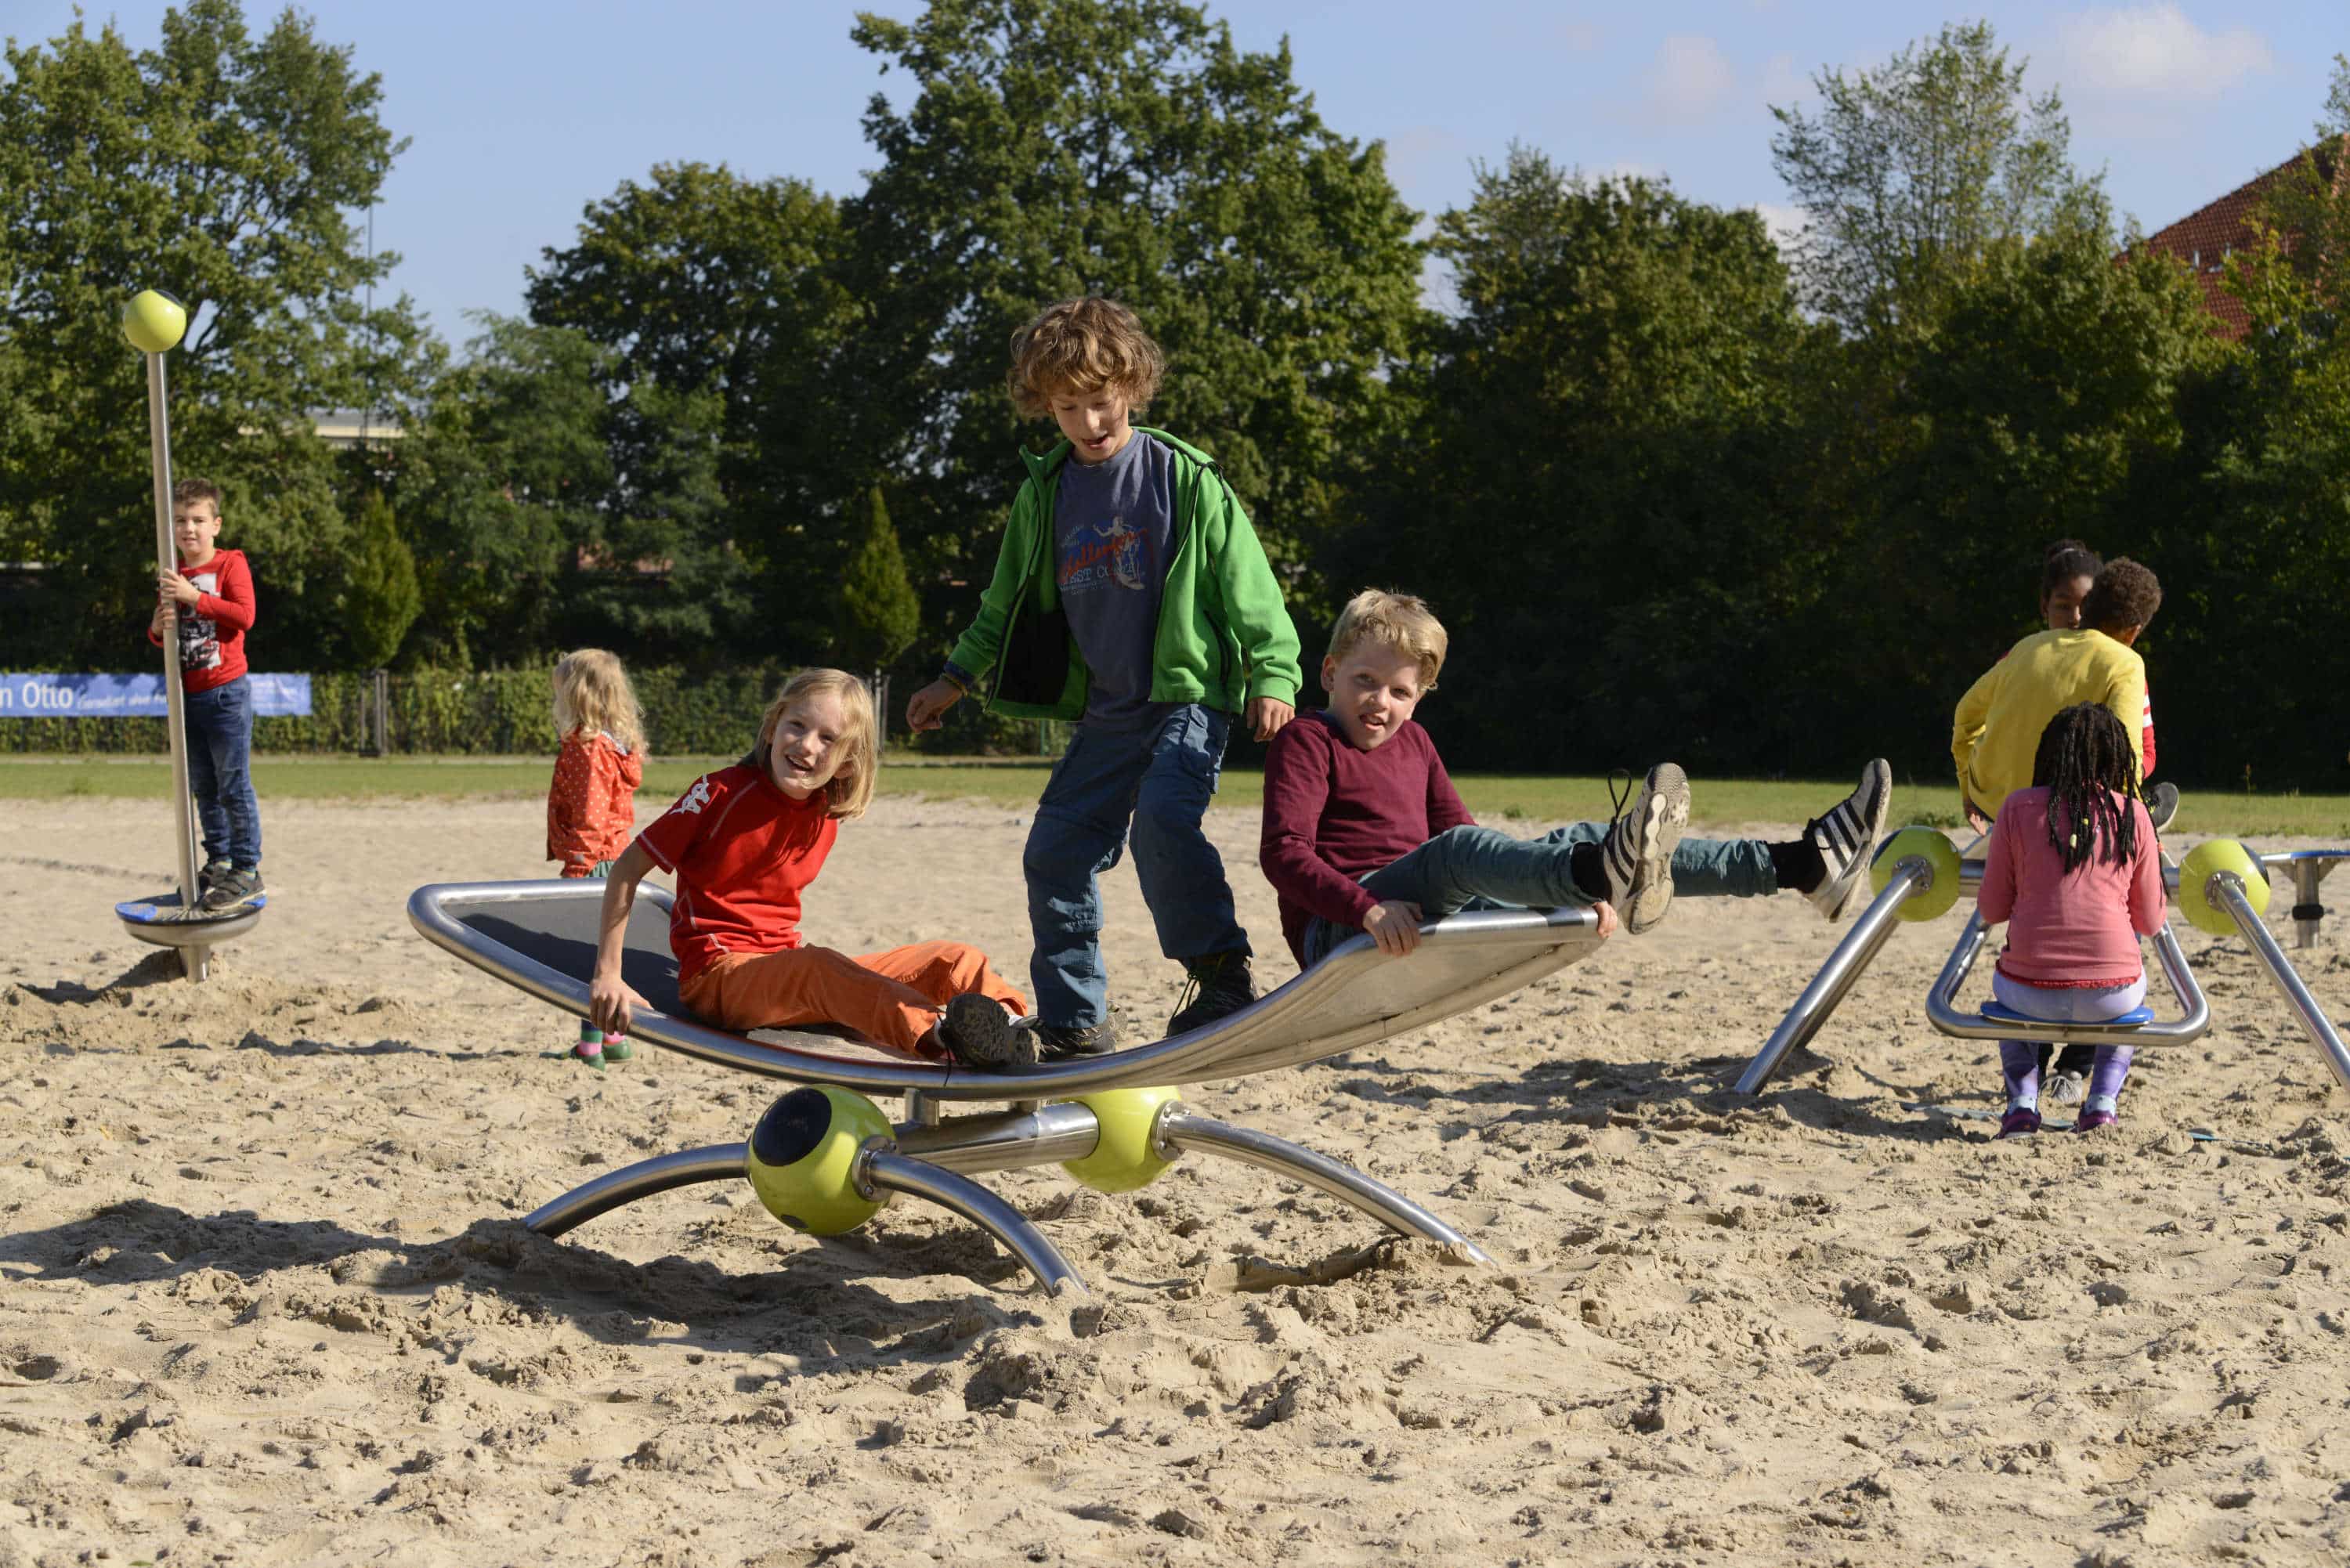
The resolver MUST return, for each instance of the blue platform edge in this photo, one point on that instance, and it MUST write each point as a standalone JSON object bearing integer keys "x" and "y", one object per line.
{"x": 2309, "y": 854}
{"x": 165, "y": 909}
{"x": 2130, "y": 1019}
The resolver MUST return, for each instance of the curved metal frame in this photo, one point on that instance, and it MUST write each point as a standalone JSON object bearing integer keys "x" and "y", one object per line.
{"x": 2226, "y": 889}
{"x": 928, "y": 1159}
{"x": 1519, "y": 946}
{"x": 1912, "y": 875}
{"x": 1943, "y": 1012}
{"x": 1179, "y": 1131}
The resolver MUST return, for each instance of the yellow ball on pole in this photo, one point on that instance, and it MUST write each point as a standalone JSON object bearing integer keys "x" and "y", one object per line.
{"x": 154, "y": 321}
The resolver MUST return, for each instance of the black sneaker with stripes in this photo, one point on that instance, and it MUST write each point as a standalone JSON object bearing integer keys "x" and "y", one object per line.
{"x": 1846, "y": 836}
{"x": 1637, "y": 852}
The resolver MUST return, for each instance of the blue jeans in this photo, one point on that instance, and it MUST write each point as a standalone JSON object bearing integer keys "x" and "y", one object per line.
{"x": 1159, "y": 779}
{"x": 1482, "y": 868}
{"x": 220, "y": 772}
{"x": 2019, "y": 1060}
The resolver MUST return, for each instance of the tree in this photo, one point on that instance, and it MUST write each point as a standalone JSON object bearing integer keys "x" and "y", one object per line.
{"x": 502, "y": 480}
{"x": 1054, "y": 148}
{"x": 879, "y": 614}
{"x": 702, "y": 285}
{"x": 1910, "y": 170}
{"x": 380, "y": 601}
{"x": 223, "y": 168}
{"x": 1596, "y": 487}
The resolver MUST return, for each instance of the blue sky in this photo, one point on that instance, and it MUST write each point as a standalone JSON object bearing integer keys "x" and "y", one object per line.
{"x": 522, "y": 111}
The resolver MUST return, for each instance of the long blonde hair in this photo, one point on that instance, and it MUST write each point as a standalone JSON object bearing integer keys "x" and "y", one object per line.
{"x": 852, "y": 788}
{"x": 592, "y": 692}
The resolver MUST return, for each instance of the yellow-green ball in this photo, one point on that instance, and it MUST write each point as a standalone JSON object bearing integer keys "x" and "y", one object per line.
{"x": 802, "y": 1158}
{"x": 1125, "y": 1158}
{"x": 154, "y": 321}
{"x": 1926, "y": 845}
{"x": 2206, "y": 859}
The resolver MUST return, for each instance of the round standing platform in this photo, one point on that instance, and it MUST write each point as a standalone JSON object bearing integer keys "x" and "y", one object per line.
{"x": 161, "y": 920}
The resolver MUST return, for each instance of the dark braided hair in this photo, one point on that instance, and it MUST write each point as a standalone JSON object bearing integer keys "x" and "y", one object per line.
{"x": 2085, "y": 760}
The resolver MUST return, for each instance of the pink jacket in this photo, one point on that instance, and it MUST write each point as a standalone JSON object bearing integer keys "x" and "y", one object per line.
{"x": 2067, "y": 932}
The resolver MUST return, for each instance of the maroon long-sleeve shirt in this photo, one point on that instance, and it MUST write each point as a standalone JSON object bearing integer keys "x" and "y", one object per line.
{"x": 1333, "y": 813}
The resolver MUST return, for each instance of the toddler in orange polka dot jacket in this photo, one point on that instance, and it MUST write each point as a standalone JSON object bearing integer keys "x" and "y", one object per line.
{"x": 591, "y": 810}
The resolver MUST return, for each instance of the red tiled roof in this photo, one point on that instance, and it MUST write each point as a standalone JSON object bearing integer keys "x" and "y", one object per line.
{"x": 2202, "y": 239}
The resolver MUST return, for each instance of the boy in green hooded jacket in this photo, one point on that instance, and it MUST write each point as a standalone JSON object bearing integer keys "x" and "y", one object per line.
{"x": 1130, "y": 594}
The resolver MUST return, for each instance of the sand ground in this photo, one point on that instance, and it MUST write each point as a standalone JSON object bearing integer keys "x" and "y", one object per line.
{"x": 264, "y": 1300}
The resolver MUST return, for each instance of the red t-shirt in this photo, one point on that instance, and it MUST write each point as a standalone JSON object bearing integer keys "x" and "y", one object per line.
{"x": 741, "y": 850}
{"x": 1333, "y": 813}
{"x": 591, "y": 804}
{"x": 212, "y": 635}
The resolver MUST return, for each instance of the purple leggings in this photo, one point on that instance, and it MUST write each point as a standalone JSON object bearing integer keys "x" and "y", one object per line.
{"x": 2019, "y": 1060}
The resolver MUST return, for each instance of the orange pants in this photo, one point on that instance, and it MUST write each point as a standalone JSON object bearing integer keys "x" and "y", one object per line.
{"x": 891, "y": 997}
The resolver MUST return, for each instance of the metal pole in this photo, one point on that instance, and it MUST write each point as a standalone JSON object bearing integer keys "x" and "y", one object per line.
{"x": 1851, "y": 955}
{"x": 1046, "y": 1134}
{"x": 717, "y": 1162}
{"x": 1180, "y": 1131}
{"x": 878, "y": 1170}
{"x": 2227, "y": 890}
{"x": 2306, "y": 875}
{"x": 193, "y": 960}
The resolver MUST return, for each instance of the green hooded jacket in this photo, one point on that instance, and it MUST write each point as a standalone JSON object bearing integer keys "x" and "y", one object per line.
{"x": 1224, "y": 636}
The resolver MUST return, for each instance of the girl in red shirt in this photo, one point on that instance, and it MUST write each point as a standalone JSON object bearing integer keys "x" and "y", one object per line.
{"x": 2073, "y": 870}
{"x": 591, "y": 810}
{"x": 743, "y": 842}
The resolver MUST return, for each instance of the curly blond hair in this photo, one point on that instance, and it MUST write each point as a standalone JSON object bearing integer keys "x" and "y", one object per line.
{"x": 851, "y": 789}
{"x": 1079, "y": 347}
{"x": 1399, "y": 621}
{"x": 592, "y": 692}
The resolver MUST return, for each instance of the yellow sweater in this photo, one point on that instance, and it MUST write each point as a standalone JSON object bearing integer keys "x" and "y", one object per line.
{"x": 1995, "y": 734}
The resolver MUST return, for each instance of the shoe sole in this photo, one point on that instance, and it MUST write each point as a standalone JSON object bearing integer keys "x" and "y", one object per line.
{"x": 1666, "y": 792}
{"x": 2162, "y": 805}
{"x": 1870, "y": 835}
{"x": 979, "y": 1034}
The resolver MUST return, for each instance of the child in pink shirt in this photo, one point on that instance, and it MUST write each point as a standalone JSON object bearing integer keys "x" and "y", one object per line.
{"x": 2073, "y": 870}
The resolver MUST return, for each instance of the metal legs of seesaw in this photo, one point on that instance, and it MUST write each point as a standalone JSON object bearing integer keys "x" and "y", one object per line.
{"x": 2307, "y": 869}
{"x": 932, "y": 1159}
{"x": 1915, "y": 876}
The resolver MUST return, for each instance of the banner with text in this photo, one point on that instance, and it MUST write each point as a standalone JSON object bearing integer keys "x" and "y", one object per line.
{"x": 134, "y": 696}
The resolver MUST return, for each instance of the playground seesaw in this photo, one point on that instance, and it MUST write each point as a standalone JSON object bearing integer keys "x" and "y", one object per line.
{"x": 825, "y": 1159}
{"x": 2221, "y": 888}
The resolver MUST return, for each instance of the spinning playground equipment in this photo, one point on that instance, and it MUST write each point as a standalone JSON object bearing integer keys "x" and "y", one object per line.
{"x": 154, "y": 322}
{"x": 2221, "y": 888}
{"x": 824, "y": 1159}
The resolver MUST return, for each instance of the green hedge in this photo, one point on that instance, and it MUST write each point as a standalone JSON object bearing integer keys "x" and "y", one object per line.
{"x": 510, "y": 712}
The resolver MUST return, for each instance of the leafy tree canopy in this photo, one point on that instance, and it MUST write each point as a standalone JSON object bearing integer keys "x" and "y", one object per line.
{"x": 1909, "y": 170}
{"x": 227, "y": 169}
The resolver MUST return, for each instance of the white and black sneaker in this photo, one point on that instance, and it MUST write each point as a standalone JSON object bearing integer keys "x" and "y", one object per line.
{"x": 1637, "y": 852}
{"x": 2161, "y": 803}
{"x": 1846, "y": 836}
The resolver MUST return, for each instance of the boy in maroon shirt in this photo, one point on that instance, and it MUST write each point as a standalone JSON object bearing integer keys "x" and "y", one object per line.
{"x": 206, "y": 602}
{"x": 1363, "y": 830}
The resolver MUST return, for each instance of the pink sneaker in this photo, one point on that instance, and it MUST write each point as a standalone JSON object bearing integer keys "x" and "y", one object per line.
{"x": 2018, "y": 1123}
{"x": 2092, "y": 1121}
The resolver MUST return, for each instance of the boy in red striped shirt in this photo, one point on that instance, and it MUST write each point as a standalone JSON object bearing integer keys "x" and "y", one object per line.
{"x": 206, "y": 601}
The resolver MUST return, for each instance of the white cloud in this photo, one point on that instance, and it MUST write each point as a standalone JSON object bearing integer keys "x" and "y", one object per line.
{"x": 2153, "y": 52}
{"x": 1691, "y": 78}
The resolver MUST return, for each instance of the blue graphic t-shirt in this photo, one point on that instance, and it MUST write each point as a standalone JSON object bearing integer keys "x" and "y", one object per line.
{"x": 1112, "y": 522}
